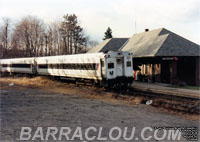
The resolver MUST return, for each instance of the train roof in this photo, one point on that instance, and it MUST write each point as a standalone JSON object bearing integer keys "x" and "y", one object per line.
{"x": 76, "y": 57}
{"x": 23, "y": 60}
{"x": 73, "y": 55}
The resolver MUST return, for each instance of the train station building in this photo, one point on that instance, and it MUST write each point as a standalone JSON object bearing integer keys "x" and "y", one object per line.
{"x": 159, "y": 56}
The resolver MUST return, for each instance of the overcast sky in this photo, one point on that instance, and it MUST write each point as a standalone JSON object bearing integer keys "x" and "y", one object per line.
{"x": 125, "y": 17}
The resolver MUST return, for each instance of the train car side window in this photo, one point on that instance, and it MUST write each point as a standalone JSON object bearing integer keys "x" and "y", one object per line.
{"x": 60, "y": 66}
{"x": 110, "y": 65}
{"x": 43, "y": 66}
{"x": 83, "y": 66}
{"x": 77, "y": 66}
{"x": 94, "y": 66}
{"x": 5, "y": 65}
{"x": 102, "y": 63}
{"x": 128, "y": 63}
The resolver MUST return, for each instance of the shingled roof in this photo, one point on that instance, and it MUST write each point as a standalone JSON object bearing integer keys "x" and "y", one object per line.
{"x": 160, "y": 42}
{"x": 112, "y": 44}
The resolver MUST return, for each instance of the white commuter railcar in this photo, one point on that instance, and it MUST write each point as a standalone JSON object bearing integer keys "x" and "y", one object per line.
{"x": 17, "y": 65}
{"x": 107, "y": 69}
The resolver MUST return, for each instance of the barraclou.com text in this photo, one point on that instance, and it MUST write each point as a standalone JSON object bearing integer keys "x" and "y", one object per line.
{"x": 93, "y": 133}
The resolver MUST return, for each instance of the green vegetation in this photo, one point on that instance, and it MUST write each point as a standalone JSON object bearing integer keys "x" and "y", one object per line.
{"x": 108, "y": 34}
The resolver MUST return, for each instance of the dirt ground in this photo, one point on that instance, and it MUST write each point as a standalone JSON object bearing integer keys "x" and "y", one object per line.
{"x": 34, "y": 102}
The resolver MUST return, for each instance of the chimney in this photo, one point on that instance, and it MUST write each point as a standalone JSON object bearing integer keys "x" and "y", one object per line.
{"x": 146, "y": 30}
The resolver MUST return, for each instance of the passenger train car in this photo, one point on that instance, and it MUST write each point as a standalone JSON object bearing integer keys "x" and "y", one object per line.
{"x": 110, "y": 69}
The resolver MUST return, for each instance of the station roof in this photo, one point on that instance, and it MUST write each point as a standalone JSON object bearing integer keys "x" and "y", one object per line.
{"x": 112, "y": 44}
{"x": 160, "y": 42}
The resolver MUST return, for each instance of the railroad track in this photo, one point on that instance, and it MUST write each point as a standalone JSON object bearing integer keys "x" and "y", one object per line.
{"x": 181, "y": 103}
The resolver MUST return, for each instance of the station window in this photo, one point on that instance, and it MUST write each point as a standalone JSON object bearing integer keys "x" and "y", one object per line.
{"x": 110, "y": 65}
{"x": 128, "y": 63}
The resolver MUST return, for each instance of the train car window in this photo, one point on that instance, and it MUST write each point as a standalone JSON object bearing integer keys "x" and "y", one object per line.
{"x": 4, "y": 65}
{"x": 20, "y": 65}
{"x": 89, "y": 66}
{"x": 110, "y": 65}
{"x": 73, "y": 66}
{"x": 84, "y": 67}
{"x": 43, "y": 66}
{"x": 61, "y": 66}
{"x": 79, "y": 67}
{"x": 49, "y": 65}
{"x": 64, "y": 66}
{"x": 70, "y": 66}
{"x": 53, "y": 66}
{"x": 67, "y": 66}
{"x": 128, "y": 63}
{"x": 76, "y": 66}
{"x": 102, "y": 63}
{"x": 94, "y": 66}
{"x": 119, "y": 61}
{"x": 58, "y": 66}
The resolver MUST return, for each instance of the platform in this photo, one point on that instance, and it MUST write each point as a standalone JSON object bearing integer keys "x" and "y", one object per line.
{"x": 165, "y": 89}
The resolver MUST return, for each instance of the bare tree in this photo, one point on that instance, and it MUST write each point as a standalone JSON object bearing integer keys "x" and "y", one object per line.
{"x": 5, "y": 35}
{"x": 53, "y": 38}
{"x": 29, "y": 36}
{"x": 56, "y": 38}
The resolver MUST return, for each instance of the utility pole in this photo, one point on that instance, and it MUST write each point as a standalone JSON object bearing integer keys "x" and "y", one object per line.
{"x": 46, "y": 44}
{"x": 135, "y": 23}
{"x": 135, "y": 26}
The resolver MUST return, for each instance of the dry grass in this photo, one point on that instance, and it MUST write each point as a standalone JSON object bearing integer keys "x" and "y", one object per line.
{"x": 65, "y": 88}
